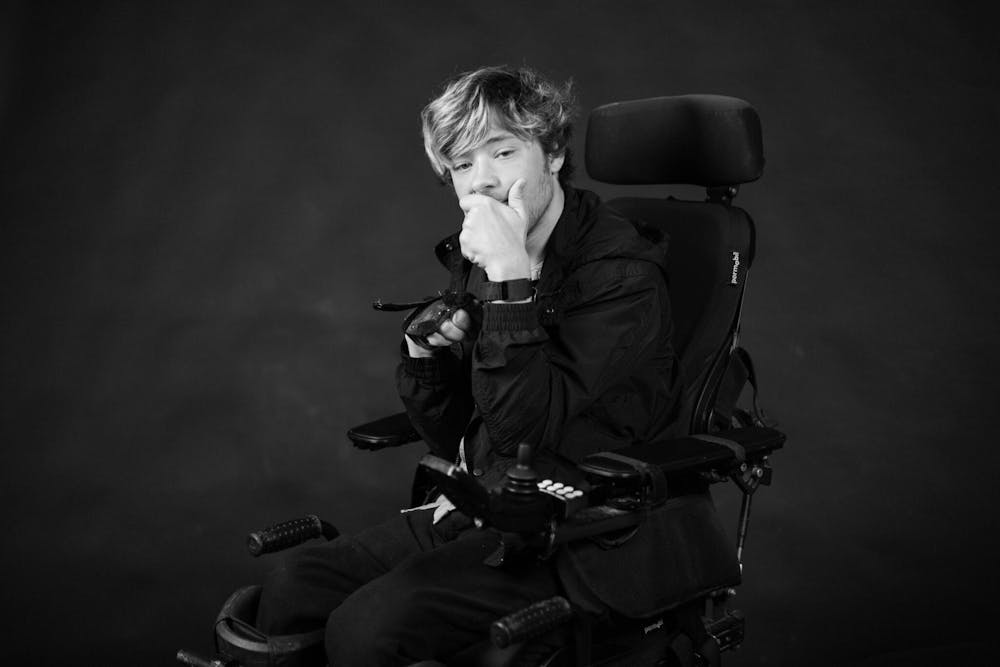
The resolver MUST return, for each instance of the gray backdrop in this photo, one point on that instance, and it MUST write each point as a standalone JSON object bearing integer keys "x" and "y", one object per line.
{"x": 199, "y": 200}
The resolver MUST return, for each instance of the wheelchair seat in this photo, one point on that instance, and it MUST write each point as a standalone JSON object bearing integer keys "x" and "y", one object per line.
{"x": 714, "y": 142}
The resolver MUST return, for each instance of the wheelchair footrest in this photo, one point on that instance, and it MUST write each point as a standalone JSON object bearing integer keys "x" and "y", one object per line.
{"x": 727, "y": 630}
{"x": 238, "y": 642}
{"x": 194, "y": 660}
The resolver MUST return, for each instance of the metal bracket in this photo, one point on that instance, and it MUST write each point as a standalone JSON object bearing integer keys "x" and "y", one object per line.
{"x": 748, "y": 477}
{"x": 722, "y": 194}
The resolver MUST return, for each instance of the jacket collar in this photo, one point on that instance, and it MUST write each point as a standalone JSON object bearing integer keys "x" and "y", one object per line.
{"x": 561, "y": 243}
{"x": 581, "y": 235}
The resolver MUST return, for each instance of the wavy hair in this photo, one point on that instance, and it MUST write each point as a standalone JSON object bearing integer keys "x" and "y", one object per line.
{"x": 520, "y": 101}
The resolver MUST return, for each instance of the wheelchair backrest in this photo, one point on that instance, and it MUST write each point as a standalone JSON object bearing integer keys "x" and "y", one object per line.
{"x": 706, "y": 140}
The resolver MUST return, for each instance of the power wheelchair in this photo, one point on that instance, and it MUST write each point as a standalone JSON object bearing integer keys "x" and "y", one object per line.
{"x": 704, "y": 140}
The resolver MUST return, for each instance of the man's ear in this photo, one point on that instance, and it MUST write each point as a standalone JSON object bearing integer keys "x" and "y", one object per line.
{"x": 556, "y": 161}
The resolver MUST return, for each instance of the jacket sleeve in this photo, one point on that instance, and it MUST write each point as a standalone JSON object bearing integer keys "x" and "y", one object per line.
{"x": 435, "y": 393}
{"x": 528, "y": 385}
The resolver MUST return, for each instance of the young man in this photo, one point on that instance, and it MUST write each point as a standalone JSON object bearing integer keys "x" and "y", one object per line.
{"x": 571, "y": 352}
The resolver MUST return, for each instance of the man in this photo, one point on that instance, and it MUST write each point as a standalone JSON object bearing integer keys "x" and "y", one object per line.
{"x": 571, "y": 352}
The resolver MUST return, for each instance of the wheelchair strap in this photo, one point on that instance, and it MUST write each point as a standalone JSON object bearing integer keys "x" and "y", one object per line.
{"x": 391, "y": 307}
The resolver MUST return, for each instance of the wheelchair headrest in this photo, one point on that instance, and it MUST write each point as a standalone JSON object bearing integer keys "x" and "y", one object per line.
{"x": 707, "y": 140}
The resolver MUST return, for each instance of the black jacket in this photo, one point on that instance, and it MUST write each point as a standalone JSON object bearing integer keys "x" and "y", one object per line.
{"x": 588, "y": 366}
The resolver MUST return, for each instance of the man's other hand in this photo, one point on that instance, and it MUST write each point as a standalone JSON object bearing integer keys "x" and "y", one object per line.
{"x": 494, "y": 234}
{"x": 452, "y": 330}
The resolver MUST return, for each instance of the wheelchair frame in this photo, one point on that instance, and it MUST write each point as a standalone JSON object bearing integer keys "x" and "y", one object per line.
{"x": 620, "y": 485}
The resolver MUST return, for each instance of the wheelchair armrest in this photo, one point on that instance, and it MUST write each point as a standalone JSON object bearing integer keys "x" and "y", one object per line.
{"x": 720, "y": 453}
{"x": 391, "y": 431}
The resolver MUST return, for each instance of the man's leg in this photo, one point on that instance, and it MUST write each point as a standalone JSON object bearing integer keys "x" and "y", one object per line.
{"x": 311, "y": 581}
{"x": 433, "y": 604}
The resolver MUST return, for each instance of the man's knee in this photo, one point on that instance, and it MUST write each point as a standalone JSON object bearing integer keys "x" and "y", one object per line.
{"x": 300, "y": 591}
{"x": 279, "y": 611}
{"x": 381, "y": 627}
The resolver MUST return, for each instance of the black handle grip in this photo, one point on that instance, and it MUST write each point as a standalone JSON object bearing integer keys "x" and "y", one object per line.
{"x": 531, "y": 622}
{"x": 289, "y": 534}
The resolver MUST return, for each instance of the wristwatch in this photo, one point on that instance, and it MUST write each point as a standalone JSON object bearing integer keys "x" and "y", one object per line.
{"x": 507, "y": 290}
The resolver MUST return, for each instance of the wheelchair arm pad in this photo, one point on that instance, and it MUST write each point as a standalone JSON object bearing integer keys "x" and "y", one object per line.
{"x": 688, "y": 454}
{"x": 391, "y": 431}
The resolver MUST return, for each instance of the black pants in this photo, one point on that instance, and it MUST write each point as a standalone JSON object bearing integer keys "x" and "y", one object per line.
{"x": 399, "y": 592}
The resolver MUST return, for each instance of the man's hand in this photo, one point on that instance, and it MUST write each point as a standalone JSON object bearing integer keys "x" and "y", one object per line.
{"x": 494, "y": 234}
{"x": 452, "y": 330}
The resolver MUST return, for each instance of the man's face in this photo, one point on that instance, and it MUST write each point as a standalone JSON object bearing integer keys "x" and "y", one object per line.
{"x": 495, "y": 165}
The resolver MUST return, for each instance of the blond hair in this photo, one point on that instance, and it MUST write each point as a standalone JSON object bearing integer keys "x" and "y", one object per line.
{"x": 519, "y": 101}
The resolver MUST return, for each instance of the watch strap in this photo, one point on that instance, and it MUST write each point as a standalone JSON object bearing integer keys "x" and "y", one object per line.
{"x": 507, "y": 290}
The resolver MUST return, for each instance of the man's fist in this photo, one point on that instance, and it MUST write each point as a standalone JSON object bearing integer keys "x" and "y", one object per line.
{"x": 494, "y": 234}
{"x": 452, "y": 330}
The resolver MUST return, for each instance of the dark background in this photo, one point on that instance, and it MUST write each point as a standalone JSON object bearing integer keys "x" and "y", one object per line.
{"x": 199, "y": 201}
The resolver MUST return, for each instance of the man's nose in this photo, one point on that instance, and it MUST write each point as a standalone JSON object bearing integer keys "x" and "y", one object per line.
{"x": 484, "y": 177}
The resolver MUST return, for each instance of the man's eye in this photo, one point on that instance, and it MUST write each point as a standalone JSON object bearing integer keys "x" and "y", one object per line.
{"x": 460, "y": 166}
{"x": 505, "y": 152}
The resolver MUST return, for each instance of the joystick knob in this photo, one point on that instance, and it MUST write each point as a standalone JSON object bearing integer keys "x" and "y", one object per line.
{"x": 521, "y": 477}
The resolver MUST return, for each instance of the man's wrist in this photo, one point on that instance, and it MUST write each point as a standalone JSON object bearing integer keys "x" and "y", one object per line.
{"x": 506, "y": 316}
{"x": 509, "y": 270}
{"x": 415, "y": 351}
